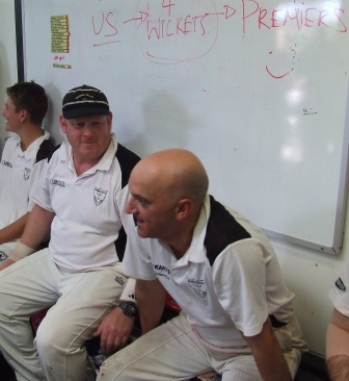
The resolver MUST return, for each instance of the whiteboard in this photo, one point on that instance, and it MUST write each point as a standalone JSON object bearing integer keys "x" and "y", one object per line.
{"x": 256, "y": 88}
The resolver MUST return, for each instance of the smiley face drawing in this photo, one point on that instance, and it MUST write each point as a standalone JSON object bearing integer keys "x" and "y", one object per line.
{"x": 282, "y": 65}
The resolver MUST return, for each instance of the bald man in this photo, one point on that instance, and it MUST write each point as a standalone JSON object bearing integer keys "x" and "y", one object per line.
{"x": 237, "y": 315}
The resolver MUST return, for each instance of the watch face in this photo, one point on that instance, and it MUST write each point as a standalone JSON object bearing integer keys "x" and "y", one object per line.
{"x": 128, "y": 308}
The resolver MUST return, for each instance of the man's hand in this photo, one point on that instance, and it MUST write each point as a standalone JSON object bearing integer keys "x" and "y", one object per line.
{"x": 114, "y": 330}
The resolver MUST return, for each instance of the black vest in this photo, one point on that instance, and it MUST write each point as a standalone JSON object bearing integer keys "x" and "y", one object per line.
{"x": 127, "y": 160}
{"x": 222, "y": 230}
{"x": 45, "y": 150}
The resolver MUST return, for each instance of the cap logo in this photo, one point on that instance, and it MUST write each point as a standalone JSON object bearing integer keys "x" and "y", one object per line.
{"x": 84, "y": 95}
{"x": 84, "y": 100}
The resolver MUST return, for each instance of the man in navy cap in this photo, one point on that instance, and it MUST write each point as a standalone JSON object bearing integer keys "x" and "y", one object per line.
{"x": 79, "y": 273}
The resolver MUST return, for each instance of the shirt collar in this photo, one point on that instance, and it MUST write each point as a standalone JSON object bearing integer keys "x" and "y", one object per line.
{"x": 33, "y": 147}
{"x": 195, "y": 253}
{"x": 104, "y": 163}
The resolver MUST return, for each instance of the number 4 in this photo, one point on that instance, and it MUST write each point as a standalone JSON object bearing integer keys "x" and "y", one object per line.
{"x": 168, "y": 4}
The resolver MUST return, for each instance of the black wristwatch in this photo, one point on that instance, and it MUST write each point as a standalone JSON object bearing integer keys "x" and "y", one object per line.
{"x": 128, "y": 308}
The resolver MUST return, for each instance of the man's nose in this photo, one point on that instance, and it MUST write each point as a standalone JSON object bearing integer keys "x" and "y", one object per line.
{"x": 88, "y": 130}
{"x": 130, "y": 206}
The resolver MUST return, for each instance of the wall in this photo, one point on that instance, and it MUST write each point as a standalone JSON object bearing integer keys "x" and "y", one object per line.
{"x": 8, "y": 55}
{"x": 308, "y": 273}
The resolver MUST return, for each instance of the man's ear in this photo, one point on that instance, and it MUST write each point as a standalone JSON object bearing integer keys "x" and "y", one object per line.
{"x": 62, "y": 124}
{"x": 110, "y": 120}
{"x": 184, "y": 208}
{"x": 23, "y": 115}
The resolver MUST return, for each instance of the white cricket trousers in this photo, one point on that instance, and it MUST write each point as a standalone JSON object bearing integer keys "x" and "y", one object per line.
{"x": 80, "y": 301}
{"x": 174, "y": 352}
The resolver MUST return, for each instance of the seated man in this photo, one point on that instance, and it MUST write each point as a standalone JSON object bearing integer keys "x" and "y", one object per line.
{"x": 22, "y": 160}
{"x": 337, "y": 340}
{"x": 80, "y": 272}
{"x": 221, "y": 270}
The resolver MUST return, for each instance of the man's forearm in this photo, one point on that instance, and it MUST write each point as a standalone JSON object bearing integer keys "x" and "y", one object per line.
{"x": 272, "y": 366}
{"x": 38, "y": 227}
{"x": 150, "y": 296}
{"x": 14, "y": 230}
{"x": 338, "y": 368}
{"x": 267, "y": 353}
{"x": 7, "y": 263}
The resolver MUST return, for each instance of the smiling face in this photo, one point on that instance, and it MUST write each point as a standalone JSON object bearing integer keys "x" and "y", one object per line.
{"x": 88, "y": 135}
{"x": 13, "y": 117}
{"x": 167, "y": 192}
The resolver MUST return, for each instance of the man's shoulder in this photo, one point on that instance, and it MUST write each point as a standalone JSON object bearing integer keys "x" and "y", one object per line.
{"x": 125, "y": 155}
{"x": 12, "y": 140}
{"x": 46, "y": 150}
{"x": 127, "y": 160}
{"x": 223, "y": 229}
{"x": 11, "y": 147}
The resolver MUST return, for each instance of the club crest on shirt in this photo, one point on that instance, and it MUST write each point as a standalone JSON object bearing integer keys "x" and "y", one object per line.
{"x": 26, "y": 174}
{"x": 198, "y": 286}
{"x": 3, "y": 256}
{"x": 99, "y": 195}
{"x": 340, "y": 284}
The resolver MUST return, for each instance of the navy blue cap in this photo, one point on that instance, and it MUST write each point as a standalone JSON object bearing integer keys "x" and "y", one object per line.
{"x": 84, "y": 100}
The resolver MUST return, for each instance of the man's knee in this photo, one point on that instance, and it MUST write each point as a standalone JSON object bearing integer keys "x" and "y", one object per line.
{"x": 117, "y": 367}
{"x": 51, "y": 339}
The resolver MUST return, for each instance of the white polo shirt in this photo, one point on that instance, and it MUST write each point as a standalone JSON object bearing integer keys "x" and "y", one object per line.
{"x": 237, "y": 292}
{"x": 19, "y": 174}
{"x": 87, "y": 221}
